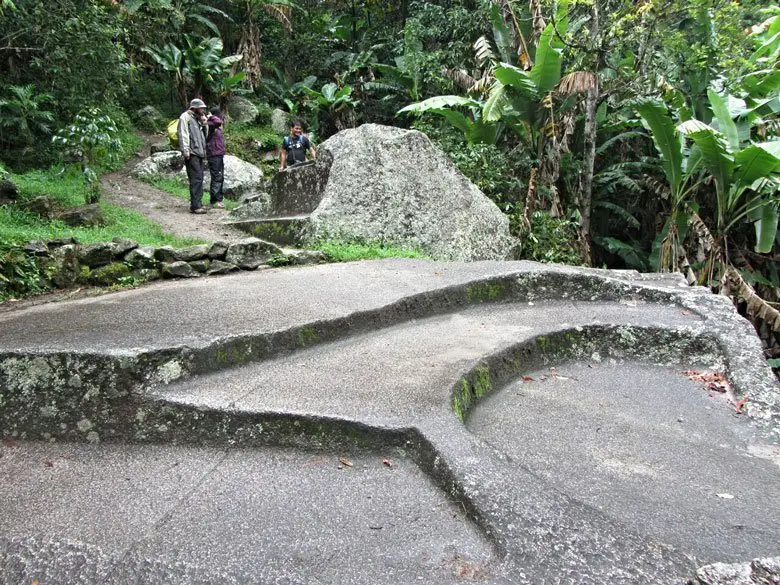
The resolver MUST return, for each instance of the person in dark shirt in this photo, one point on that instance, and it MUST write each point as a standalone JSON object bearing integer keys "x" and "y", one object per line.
{"x": 295, "y": 146}
{"x": 215, "y": 150}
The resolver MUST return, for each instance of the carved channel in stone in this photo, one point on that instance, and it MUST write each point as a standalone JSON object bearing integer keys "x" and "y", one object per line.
{"x": 648, "y": 344}
{"x": 78, "y": 395}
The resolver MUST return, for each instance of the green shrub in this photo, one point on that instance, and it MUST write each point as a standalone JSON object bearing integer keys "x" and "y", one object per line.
{"x": 20, "y": 274}
{"x": 550, "y": 240}
{"x": 500, "y": 175}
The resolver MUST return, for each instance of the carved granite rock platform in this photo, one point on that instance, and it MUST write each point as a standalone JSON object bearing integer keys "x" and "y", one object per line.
{"x": 387, "y": 422}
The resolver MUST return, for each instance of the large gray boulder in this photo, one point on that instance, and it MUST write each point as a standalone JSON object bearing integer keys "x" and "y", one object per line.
{"x": 280, "y": 122}
{"x": 89, "y": 215}
{"x": 242, "y": 179}
{"x": 150, "y": 118}
{"x": 241, "y": 110}
{"x": 160, "y": 163}
{"x": 394, "y": 186}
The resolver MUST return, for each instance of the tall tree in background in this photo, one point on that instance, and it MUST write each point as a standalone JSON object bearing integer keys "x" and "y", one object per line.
{"x": 250, "y": 45}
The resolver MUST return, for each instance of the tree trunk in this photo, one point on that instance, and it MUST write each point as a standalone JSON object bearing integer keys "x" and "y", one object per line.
{"x": 250, "y": 48}
{"x": 589, "y": 156}
{"x": 588, "y": 163}
{"x": 530, "y": 201}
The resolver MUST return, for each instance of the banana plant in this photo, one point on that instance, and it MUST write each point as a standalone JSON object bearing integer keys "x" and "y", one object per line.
{"x": 475, "y": 129}
{"x": 507, "y": 95}
{"x": 746, "y": 177}
{"x": 678, "y": 171}
{"x": 333, "y": 108}
{"x": 746, "y": 180}
{"x": 198, "y": 68}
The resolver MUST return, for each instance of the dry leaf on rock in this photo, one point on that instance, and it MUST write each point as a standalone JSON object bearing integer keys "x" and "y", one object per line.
{"x": 345, "y": 461}
{"x": 712, "y": 381}
{"x": 386, "y": 462}
{"x": 741, "y": 404}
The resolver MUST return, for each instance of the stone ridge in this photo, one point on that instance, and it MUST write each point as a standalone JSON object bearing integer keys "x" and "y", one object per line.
{"x": 196, "y": 386}
{"x": 127, "y": 372}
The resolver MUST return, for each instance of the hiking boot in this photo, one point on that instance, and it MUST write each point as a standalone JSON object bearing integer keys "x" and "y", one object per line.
{"x": 199, "y": 211}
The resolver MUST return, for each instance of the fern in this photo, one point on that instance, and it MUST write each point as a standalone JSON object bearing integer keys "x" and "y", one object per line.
{"x": 630, "y": 253}
{"x": 619, "y": 212}
{"x": 624, "y": 136}
{"x": 484, "y": 52}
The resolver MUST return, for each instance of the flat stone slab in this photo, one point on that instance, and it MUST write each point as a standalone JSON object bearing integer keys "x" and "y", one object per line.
{"x": 515, "y": 423}
{"x": 239, "y": 516}
{"x": 648, "y": 447}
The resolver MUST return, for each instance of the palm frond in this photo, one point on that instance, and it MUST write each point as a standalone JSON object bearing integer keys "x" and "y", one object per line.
{"x": 576, "y": 82}
{"x": 622, "y": 137}
{"x": 281, "y": 13}
{"x": 460, "y": 77}
{"x": 619, "y": 212}
{"x": 205, "y": 22}
{"x": 483, "y": 51}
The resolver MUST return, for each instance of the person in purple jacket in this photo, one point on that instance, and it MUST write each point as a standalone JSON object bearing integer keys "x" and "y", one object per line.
{"x": 215, "y": 150}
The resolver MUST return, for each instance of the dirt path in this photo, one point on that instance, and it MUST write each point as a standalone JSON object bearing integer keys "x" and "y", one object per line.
{"x": 171, "y": 212}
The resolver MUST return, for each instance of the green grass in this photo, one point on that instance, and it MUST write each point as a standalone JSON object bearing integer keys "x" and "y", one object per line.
{"x": 18, "y": 226}
{"x": 349, "y": 252}
{"x": 248, "y": 142}
{"x": 173, "y": 185}
{"x": 178, "y": 186}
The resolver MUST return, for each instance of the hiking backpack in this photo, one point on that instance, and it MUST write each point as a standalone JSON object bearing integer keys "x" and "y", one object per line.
{"x": 173, "y": 133}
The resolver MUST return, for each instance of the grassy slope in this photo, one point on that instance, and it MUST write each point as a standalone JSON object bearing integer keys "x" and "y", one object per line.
{"x": 67, "y": 187}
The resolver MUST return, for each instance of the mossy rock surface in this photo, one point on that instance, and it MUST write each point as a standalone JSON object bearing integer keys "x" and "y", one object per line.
{"x": 109, "y": 274}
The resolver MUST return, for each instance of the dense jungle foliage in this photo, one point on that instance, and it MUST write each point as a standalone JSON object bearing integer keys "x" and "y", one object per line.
{"x": 613, "y": 133}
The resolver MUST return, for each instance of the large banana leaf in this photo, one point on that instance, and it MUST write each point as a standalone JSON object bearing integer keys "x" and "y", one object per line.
{"x": 562, "y": 17}
{"x": 482, "y": 133}
{"x": 455, "y": 118}
{"x": 501, "y": 34}
{"x": 756, "y": 162}
{"x": 768, "y": 50}
{"x": 715, "y": 157}
{"x": 440, "y": 101}
{"x": 761, "y": 83}
{"x": 765, "y": 217}
{"x": 516, "y": 78}
{"x": 726, "y": 125}
{"x": 494, "y": 106}
{"x": 546, "y": 72}
{"x": 667, "y": 141}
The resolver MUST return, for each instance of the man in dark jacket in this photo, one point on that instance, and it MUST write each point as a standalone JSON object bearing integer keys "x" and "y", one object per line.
{"x": 215, "y": 150}
{"x": 192, "y": 143}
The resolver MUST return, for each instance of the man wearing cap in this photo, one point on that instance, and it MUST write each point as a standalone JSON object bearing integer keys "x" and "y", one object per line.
{"x": 192, "y": 143}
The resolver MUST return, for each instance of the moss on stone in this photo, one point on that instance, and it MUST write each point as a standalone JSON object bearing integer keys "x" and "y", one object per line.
{"x": 307, "y": 336}
{"x": 482, "y": 384}
{"x": 109, "y": 274}
{"x": 83, "y": 277}
{"x": 484, "y": 291}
